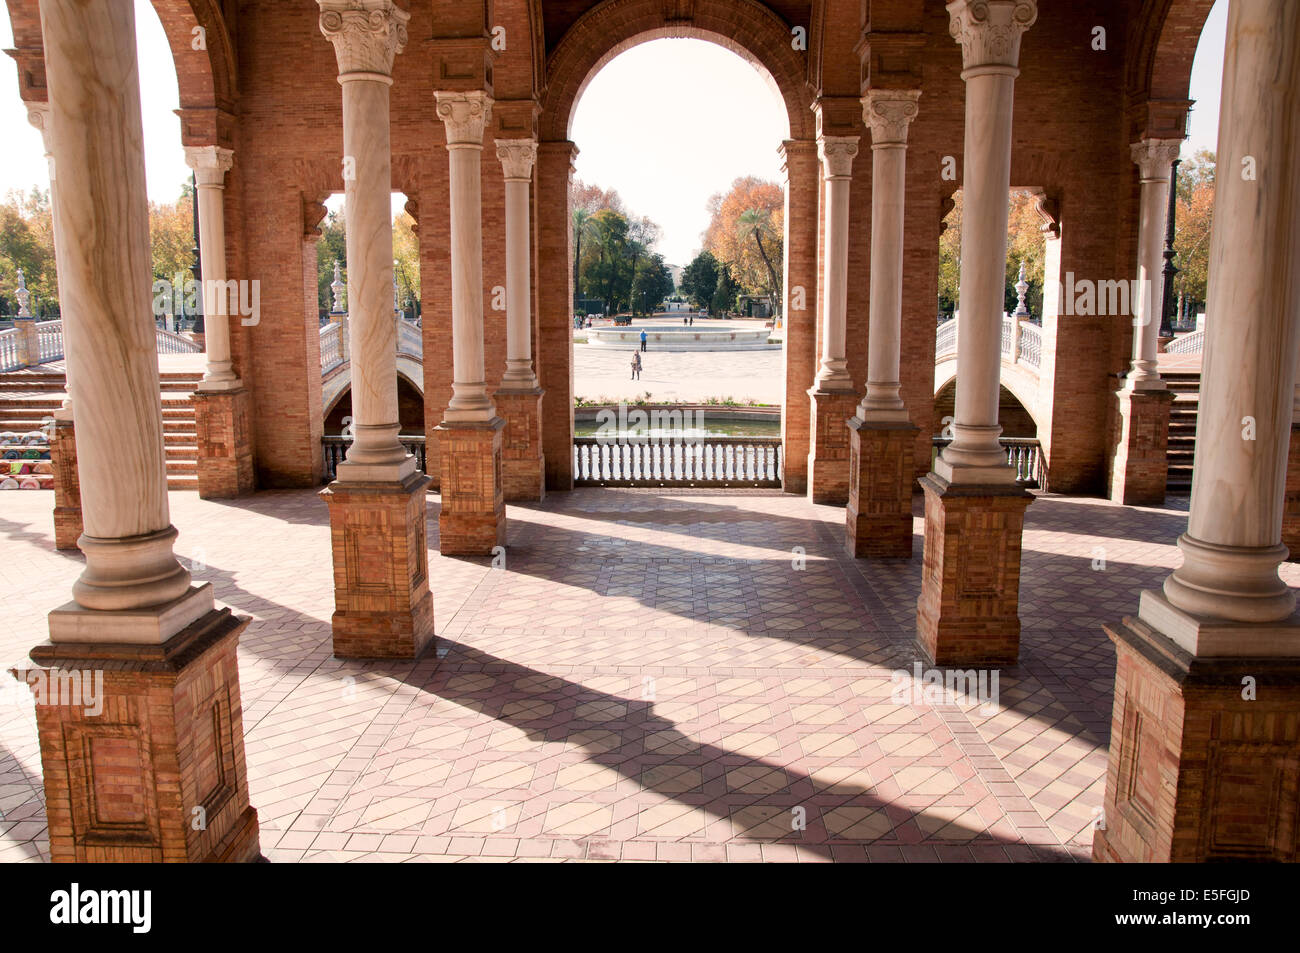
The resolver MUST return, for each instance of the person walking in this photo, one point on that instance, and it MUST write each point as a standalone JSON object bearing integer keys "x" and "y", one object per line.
{"x": 636, "y": 365}
{"x": 643, "y": 339}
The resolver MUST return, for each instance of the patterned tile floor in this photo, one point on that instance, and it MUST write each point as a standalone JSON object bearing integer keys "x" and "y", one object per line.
{"x": 653, "y": 675}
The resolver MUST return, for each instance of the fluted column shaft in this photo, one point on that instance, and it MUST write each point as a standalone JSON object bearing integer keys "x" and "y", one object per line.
{"x": 210, "y": 165}
{"x": 990, "y": 36}
{"x": 889, "y": 113}
{"x": 1232, "y": 547}
{"x": 1154, "y": 157}
{"x": 366, "y": 38}
{"x": 465, "y": 116}
{"x": 836, "y": 153}
{"x": 103, "y": 252}
{"x": 517, "y": 158}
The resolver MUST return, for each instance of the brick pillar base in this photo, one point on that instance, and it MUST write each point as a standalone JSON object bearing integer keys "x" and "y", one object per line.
{"x": 522, "y": 463}
{"x": 828, "y": 460}
{"x": 67, "y": 485}
{"x": 142, "y": 748}
{"x": 967, "y": 613}
{"x": 1140, "y": 468}
{"x": 225, "y": 454}
{"x": 473, "y": 517}
{"x": 1291, "y": 502}
{"x": 879, "y": 516}
{"x": 1197, "y": 772}
{"x": 382, "y": 604}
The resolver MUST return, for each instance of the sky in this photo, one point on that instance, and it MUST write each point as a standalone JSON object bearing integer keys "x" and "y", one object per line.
{"x": 642, "y": 125}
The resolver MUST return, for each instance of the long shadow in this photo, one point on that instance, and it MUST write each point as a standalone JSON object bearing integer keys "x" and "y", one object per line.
{"x": 634, "y": 758}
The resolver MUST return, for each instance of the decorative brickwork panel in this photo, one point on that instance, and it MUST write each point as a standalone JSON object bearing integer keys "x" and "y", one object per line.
{"x": 879, "y": 512}
{"x": 67, "y": 486}
{"x": 225, "y": 452}
{"x": 473, "y": 517}
{"x": 523, "y": 464}
{"x": 828, "y": 458}
{"x": 1139, "y": 469}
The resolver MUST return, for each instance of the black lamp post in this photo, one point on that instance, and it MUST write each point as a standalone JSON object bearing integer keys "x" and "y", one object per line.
{"x": 1170, "y": 270}
{"x": 196, "y": 268}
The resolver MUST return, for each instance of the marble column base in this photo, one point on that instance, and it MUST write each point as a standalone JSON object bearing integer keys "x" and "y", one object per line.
{"x": 68, "y": 525}
{"x": 142, "y": 748}
{"x": 1291, "y": 501}
{"x": 473, "y": 517}
{"x": 1197, "y": 772}
{"x": 379, "y": 541}
{"x": 523, "y": 465}
{"x": 828, "y": 458}
{"x": 968, "y": 610}
{"x": 225, "y": 451}
{"x": 1140, "y": 468}
{"x": 879, "y": 516}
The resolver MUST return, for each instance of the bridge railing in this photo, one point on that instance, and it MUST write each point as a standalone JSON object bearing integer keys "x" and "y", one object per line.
{"x": 169, "y": 343}
{"x": 331, "y": 347}
{"x": 49, "y": 340}
{"x": 336, "y": 451}
{"x": 678, "y": 461}
{"x": 12, "y": 352}
{"x": 410, "y": 339}
{"x": 1023, "y": 453}
{"x": 1192, "y": 343}
{"x": 1022, "y": 341}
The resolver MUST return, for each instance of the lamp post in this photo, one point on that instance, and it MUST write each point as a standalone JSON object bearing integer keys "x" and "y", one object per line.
{"x": 1170, "y": 270}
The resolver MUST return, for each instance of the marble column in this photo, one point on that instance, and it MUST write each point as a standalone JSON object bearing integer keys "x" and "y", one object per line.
{"x": 125, "y": 770}
{"x": 879, "y": 515}
{"x": 1139, "y": 472}
{"x": 968, "y": 611}
{"x": 383, "y": 607}
{"x": 68, "y": 525}
{"x": 1207, "y": 684}
{"x": 519, "y": 399}
{"x": 832, "y": 393}
{"x": 472, "y": 520}
{"x": 221, "y": 404}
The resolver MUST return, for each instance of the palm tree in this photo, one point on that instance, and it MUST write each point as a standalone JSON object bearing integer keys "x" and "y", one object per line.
{"x": 582, "y": 226}
{"x": 756, "y": 224}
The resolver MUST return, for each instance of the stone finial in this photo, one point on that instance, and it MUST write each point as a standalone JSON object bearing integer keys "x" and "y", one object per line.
{"x": 837, "y": 154}
{"x": 1154, "y": 157}
{"x": 889, "y": 112}
{"x": 1022, "y": 286}
{"x": 989, "y": 31}
{"x": 337, "y": 287}
{"x": 210, "y": 163}
{"x": 517, "y": 158}
{"x": 366, "y": 34}
{"x": 24, "y": 296}
{"x": 465, "y": 115}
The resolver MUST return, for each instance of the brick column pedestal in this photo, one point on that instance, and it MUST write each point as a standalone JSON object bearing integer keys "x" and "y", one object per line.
{"x": 473, "y": 518}
{"x": 1197, "y": 772}
{"x": 225, "y": 454}
{"x": 67, "y": 485}
{"x": 1291, "y": 502}
{"x": 879, "y": 515}
{"x": 522, "y": 462}
{"x": 1140, "y": 468}
{"x": 967, "y": 613}
{"x": 382, "y": 604}
{"x": 828, "y": 460}
{"x": 142, "y": 748}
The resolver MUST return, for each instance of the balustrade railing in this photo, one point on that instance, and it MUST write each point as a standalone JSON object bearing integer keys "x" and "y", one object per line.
{"x": 169, "y": 343}
{"x": 1192, "y": 343}
{"x": 410, "y": 339}
{"x": 1030, "y": 350}
{"x": 11, "y": 350}
{"x": 1023, "y": 453}
{"x": 1021, "y": 343}
{"x": 945, "y": 339}
{"x": 49, "y": 340}
{"x": 677, "y": 461}
{"x": 336, "y": 450}
{"x": 331, "y": 347}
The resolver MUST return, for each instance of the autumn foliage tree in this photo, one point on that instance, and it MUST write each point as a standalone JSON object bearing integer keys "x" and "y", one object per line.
{"x": 27, "y": 242}
{"x": 614, "y": 258}
{"x": 746, "y": 234}
{"x": 1195, "y": 214}
{"x": 1025, "y": 242}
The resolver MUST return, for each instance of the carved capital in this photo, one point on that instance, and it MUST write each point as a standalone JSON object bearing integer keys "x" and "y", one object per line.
{"x": 889, "y": 112}
{"x": 210, "y": 163}
{"x": 1049, "y": 210}
{"x": 38, "y": 114}
{"x": 517, "y": 157}
{"x": 313, "y": 213}
{"x": 366, "y": 34}
{"x": 989, "y": 31}
{"x": 837, "y": 154}
{"x": 466, "y": 115}
{"x": 1154, "y": 156}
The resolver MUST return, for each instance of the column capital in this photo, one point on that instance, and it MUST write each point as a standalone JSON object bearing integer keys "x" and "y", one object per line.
{"x": 466, "y": 115}
{"x": 210, "y": 163}
{"x": 837, "y": 154}
{"x": 38, "y": 114}
{"x": 517, "y": 158}
{"x": 989, "y": 31}
{"x": 366, "y": 34}
{"x": 889, "y": 112}
{"x": 1154, "y": 156}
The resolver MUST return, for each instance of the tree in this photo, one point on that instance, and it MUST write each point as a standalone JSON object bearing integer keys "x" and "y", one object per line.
{"x": 746, "y": 235}
{"x": 332, "y": 246}
{"x": 1025, "y": 243}
{"x": 406, "y": 252}
{"x": 171, "y": 236}
{"x": 653, "y": 282}
{"x": 724, "y": 296}
{"x": 1195, "y": 215}
{"x": 700, "y": 279}
{"x": 27, "y": 242}
{"x": 755, "y": 224}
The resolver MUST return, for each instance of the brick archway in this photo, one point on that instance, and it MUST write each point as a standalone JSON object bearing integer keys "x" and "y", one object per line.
{"x": 1163, "y": 39}
{"x": 748, "y": 29}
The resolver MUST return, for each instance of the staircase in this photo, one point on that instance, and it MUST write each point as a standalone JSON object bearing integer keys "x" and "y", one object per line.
{"x": 29, "y": 398}
{"x": 1186, "y": 388}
